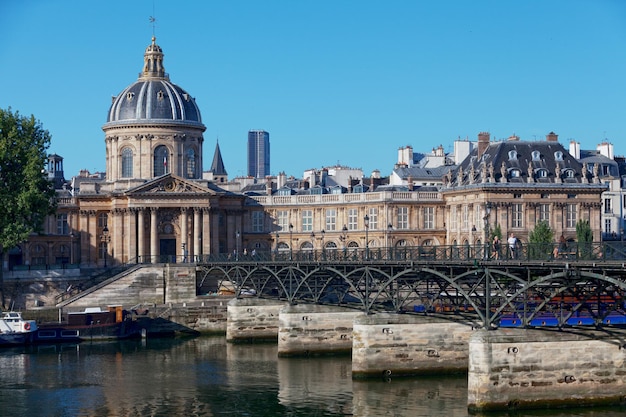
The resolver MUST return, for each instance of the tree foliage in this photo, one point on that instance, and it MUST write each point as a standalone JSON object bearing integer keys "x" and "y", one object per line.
{"x": 540, "y": 241}
{"x": 584, "y": 234}
{"x": 25, "y": 192}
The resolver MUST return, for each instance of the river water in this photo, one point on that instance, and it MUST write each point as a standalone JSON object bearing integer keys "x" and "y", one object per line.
{"x": 206, "y": 376}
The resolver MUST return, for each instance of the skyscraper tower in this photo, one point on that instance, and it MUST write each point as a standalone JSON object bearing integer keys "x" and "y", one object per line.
{"x": 258, "y": 153}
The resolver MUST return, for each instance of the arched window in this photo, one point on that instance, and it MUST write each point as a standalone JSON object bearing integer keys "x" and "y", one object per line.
{"x": 161, "y": 161}
{"x": 558, "y": 156}
{"x": 331, "y": 245}
{"x": 283, "y": 247}
{"x": 306, "y": 246}
{"x": 512, "y": 155}
{"x": 190, "y": 163}
{"x": 127, "y": 163}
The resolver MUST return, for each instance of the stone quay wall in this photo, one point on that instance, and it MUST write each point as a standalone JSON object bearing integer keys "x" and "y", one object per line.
{"x": 307, "y": 329}
{"x": 388, "y": 344}
{"x": 515, "y": 368}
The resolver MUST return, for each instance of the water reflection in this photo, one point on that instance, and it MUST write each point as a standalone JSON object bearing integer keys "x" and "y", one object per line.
{"x": 208, "y": 377}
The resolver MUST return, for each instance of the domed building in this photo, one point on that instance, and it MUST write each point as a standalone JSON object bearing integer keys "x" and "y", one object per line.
{"x": 153, "y": 127}
{"x": 152, "y": 204}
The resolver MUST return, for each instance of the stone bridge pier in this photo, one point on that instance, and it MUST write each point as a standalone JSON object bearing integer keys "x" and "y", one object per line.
{"x": 387, "y": 344}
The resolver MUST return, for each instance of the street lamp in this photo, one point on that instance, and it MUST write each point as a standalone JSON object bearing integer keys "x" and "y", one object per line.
{"x": 486, "y": 220}
{"x": 344, "y": 238}
{"x": 366, "y": 221}
{"x": 313, "y": 245}
{"x": 105, "y": 239}
{"x": 323, "y": 248}
{"x": 184, "y": 247}
{"x": 290, "y": 241}
{"x": 389, "y": 230}
{"x": 277, "y": 237}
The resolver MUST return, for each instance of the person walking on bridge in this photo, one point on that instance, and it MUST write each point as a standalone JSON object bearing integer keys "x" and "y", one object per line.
{"x": 512, "y": 242}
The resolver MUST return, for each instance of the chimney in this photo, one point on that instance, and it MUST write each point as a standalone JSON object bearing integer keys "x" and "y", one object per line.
{"x": 483, "y": 143}
{"x": 552, "y": 137}
{"x": 409, "y": 181}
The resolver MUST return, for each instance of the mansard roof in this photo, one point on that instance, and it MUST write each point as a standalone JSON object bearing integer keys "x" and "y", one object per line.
{"x": 518, "y": 162}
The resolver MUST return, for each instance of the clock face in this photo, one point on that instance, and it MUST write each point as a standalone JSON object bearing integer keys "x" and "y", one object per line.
{"x": 170, "y": 185}
{"x": 167, "y": 229}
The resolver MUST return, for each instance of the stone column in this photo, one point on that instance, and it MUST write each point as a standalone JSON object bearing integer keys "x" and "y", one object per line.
{"x": 154, "y": 235}
{"x": 184, "y": 234}
{"x": 196, "y": 234}
{"x": 130, "y": 253}
{"x": 215, "y": 232}
{"x": 141, "y": 235}
{"x": 206, "y": 231}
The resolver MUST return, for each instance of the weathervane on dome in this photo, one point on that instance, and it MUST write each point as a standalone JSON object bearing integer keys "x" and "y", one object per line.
{"x": 153, "y": 20}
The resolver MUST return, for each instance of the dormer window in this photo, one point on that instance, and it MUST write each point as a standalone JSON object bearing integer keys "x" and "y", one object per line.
{"x": 516, "y": 173}
{"x": 542, "y": 173}
{"x": 536, "y": 155}
{"x": 160, "y": 95}
{"x": 130, "y": 96}
{"x": 558, "y": 156}
{"x": 512, "y": 155}
{"x": 570, "y": 173}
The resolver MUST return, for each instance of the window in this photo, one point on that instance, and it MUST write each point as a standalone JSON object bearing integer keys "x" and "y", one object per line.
{"x": 542, "y": 173}
{"x": 190, "y": 163}
{"x": 373, "y": 214}
{"x": 62, "y": 226}
{"x": 161, "y": 161}
{"x": 258, "y": 218}
{"x": 453, "y": 218}
{"x": 103, "y": 220}
{"x": 403, "y": 218}
{"x": 429, "y": 217}
{"x": 307, "y": 220}
{"x": 517, "y": 196}
{"x": 607, "y": 205}
{"x": 465, "y": 225}
{"x": 331, "y": 219}
{"x": 571, "y": 216}
{"x": 558, "y": 156}
{"x": 516, "y": 215}
{"x": 570, "y": 173}
{"x": 516, "y": 173}
{"x": 512, "y": 155}
{"x": 127, "y": 163}
{"x": 353, "y": 214}
{"x": 282, "y": 219}
{"x": 536, "y": 155}
{"x": 544, "y": 213}
{"x": 607, "y": 226}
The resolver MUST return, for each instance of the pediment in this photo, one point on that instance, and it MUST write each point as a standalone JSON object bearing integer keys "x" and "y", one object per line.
{"x": 170, "y": 184}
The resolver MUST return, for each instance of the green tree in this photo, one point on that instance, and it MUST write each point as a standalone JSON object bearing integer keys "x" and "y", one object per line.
{"x": 496, "y": 231}
{"x": 584, "y": 236}
{"x": 26, "y": 194}
{"x": 540, "y": 241}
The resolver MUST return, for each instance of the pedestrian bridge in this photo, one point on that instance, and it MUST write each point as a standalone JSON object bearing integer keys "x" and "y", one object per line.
{"x": 528, "y": 288}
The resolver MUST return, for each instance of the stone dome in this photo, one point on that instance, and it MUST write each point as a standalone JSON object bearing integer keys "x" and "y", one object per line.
{"x": 153, "y": 98}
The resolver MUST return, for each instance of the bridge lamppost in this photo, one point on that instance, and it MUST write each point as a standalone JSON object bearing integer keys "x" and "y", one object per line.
{"x": 344, "y": 238}
{"x": 276, "y": 240}
{"x": 313, "y": 244}
{"x": 389, "y": 230}
{"x": 323, "y": 248}
{"x": 105, "y": 239}
{"x": 486, "y": 220}
{"x": 366, "y": 221}
{"x": 290, "y": 241}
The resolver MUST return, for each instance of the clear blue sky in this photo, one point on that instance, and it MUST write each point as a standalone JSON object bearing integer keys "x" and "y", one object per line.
{"x": 333, "y": 81}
